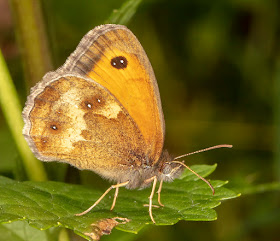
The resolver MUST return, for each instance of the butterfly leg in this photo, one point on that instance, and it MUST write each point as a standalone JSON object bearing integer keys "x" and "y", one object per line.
{"x": 158, "y": 192}
{"x": 103, "y": 195}
{"x": 154, "y": 178}
{"x": 115, "y": 198}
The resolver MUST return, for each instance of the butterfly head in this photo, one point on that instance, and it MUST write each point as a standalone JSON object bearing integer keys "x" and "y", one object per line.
{"x": 169, "y": 170}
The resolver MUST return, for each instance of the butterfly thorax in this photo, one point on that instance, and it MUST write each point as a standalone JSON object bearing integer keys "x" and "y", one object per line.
{"x": 163, "y": 169}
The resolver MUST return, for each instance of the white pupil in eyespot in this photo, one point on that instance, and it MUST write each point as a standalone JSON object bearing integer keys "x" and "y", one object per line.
{"x": 89, "y": 105}
{"x": 98, "y": 100}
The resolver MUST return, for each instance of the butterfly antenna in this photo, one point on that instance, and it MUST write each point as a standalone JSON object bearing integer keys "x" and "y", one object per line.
{"x": 203, "y": 150}
{"x": 203, "y": 179}
{"x": 195, "y": 152}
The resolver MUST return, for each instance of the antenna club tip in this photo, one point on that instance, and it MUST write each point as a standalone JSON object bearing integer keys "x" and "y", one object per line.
{"x": 225, "y": 145}
{"x": 212, "y": 188}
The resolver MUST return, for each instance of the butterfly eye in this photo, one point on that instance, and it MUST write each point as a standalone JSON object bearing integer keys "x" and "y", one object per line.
{"x": 119, "y": 62}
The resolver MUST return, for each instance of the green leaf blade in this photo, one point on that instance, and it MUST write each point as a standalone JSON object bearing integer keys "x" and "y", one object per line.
{"x": 124, "y": 13}
{"x": 52, "y": 204}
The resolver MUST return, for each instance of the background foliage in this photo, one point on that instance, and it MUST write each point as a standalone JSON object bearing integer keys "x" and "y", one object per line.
{"x": 218, "y": 69}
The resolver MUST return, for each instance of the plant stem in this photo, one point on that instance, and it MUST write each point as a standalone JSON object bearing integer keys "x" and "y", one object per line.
{"x": 277, "y": 120}
{"x": 11, "y": 108}
{"x": 63, "y": 235}
{"x": 31, "y": 35}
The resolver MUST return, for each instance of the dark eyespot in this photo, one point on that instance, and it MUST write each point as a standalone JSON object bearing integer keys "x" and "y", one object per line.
{"x": 88, "y": 105}
{"x": 119, "y": 62}
{"x": 93, "y": 102}
{"x": 53, "y": 127}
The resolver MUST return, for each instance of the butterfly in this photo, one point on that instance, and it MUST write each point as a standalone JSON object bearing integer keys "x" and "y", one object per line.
{"x": 101, "y": 111}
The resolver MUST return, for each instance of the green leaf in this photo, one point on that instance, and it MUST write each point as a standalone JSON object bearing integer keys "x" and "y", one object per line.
{"x": 242, "y": 185}
{"x": 125, "y": 13}
{"x": 50, "y": 204}
{"x": 21, "y": 231}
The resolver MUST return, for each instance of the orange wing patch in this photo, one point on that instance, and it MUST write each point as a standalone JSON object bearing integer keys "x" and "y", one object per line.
{"x": 115, "y": 59}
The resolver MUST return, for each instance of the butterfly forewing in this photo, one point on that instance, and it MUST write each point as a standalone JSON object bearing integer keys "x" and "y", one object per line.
{"x": 112, "y": 56}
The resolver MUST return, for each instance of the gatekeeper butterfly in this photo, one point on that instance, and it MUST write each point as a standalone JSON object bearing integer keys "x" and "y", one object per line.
{"x": 101, "y": 111}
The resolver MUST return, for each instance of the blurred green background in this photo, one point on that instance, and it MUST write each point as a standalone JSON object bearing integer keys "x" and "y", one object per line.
{"x": 218, "y": 69}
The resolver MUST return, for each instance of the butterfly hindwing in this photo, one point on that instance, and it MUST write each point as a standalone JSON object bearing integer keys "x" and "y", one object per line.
{"x": 72, "y": 119}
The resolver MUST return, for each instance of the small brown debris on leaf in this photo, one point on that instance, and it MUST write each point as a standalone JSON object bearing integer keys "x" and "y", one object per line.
{"x": 105, "y": 226}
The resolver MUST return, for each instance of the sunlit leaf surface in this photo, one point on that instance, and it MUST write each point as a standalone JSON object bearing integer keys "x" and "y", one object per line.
{"x": 50, "y": 204}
